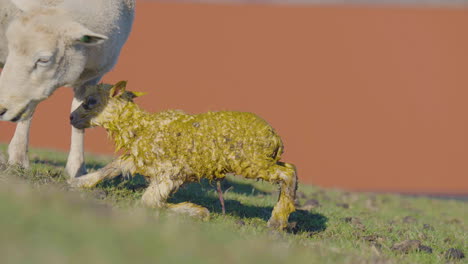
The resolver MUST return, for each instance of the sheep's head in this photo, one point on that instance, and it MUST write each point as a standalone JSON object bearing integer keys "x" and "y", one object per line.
{"x": 100, "y": 104}
{"x": 47, "y": 49}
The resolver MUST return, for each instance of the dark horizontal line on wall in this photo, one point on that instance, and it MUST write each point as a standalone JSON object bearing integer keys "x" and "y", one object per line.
{"x": 458, "y": 197}
{"x": 429, "y": 3}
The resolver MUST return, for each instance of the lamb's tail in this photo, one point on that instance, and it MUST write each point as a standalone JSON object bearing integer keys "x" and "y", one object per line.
{"x": 276, "y": 155}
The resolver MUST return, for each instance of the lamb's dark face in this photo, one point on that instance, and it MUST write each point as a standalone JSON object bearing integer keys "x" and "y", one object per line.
{"x": 100, "y": 104}
{"x": 89, "y": 113}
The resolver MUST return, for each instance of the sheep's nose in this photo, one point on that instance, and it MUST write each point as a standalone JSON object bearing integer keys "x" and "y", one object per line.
{"x": 3, "y": 110}
{"x": 71, "y": 118}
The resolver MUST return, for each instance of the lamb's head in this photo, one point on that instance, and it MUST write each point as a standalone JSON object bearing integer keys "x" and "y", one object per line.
{"x": 46, "y": 50}
{"x": 102, "y": 104}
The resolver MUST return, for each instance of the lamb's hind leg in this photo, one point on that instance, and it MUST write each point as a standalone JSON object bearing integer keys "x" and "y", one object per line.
{"x": 287, "y": 177}
{"x": 158, "y": 192}
{"x": 220, "y": 196}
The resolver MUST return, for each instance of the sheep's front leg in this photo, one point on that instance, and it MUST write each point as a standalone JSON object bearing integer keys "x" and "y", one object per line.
{"x": 18, "y": 148}
{"x": 90, "y": 180}
{"x": 158, "y": 192}
{"x": 75, "y": 163}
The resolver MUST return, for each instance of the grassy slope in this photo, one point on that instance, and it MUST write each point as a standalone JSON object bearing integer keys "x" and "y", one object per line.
{"x": 43, "y": 221}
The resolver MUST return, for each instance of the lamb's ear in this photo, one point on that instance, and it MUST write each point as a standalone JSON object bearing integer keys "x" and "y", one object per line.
{"x": 80, "y": 35}
{"x": 118, "y": 89}
{"x": 26, "y": 5}
{"x": 132, "y": 95}
{"x": 137, "y": 94}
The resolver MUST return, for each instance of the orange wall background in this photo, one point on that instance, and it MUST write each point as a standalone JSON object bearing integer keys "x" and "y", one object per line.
{"x": 365, "y": 98}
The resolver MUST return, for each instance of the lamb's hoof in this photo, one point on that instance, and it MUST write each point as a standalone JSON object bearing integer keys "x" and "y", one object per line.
{"x": 190, "y": 209}
{"x": 86, "y": 181}
{"x": 75, "y": 183}
{"x": 277, "y": 224}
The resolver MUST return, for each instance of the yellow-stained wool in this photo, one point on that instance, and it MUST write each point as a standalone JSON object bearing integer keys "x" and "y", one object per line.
{"x": 172, "y": 147}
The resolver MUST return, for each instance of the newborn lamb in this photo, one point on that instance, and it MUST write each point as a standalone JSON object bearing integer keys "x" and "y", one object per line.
{"x": 171, "y": 148}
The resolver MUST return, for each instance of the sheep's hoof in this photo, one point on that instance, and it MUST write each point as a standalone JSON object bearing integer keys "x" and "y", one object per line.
{"x": 19, "y": 160}
{"x": 2, "y": 159}
{"x": 75, "y": 170}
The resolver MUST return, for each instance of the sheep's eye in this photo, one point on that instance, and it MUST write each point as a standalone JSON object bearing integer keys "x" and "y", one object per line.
{"x": 43, "y": 61}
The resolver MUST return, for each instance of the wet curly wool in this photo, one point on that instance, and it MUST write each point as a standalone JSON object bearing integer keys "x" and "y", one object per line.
{"x": 206, "y": 145}
{"x": 172, "y": 146}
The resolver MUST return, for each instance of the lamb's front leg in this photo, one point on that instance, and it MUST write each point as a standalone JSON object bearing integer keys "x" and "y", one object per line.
{"x": 158, "y": 192}
{"x": 90, "y": 180}
{"x": 18, "y": 148}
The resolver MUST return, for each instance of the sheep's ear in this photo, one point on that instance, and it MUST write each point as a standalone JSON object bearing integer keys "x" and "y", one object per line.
{"x": 80, "y": 35}
{"x": 26, "y": 5}
{"x": 118, "y": 89}
{"x": 92, "y": 40}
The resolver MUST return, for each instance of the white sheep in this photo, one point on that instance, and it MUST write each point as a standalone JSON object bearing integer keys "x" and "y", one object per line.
{"x": 46, "y": 44}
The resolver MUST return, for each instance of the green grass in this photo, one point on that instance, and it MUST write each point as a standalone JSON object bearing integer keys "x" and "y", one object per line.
{"x": 44, "y": 221}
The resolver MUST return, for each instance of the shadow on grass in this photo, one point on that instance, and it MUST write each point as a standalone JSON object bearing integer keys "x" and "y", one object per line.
{"x": 204, "y": 194}
{"x": 137, "y": 183}
{"x": 95, "y": 165}
{"x": 240, "y": 188}
{"x": 303, "y": 221}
